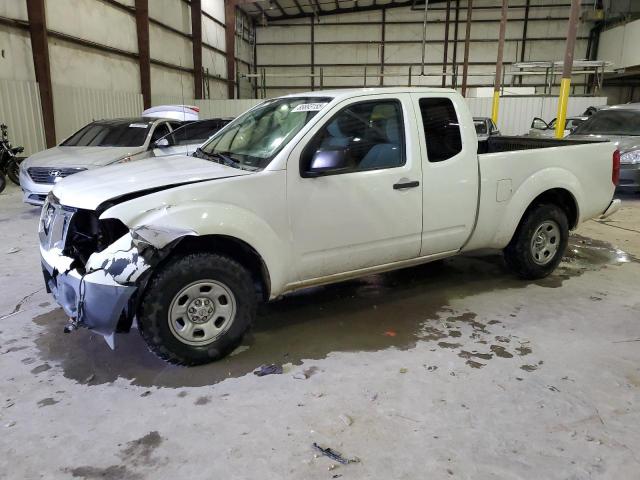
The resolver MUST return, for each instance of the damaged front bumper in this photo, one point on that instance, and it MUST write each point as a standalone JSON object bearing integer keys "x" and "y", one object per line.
{"x": 99, "y": 297}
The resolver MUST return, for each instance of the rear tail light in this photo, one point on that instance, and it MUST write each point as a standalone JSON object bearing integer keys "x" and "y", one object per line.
{"x": 615, "y": 171}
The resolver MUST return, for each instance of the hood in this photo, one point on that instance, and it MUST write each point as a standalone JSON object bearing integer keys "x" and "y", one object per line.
{"x": 624, "y": 144}
{"x": 89, "y": 189}
{"x": 79, "y": 156}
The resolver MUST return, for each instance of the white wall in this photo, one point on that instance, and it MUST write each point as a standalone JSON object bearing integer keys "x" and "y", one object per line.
{"x": 350, "y": 59}
{"x": 620, "y": 45}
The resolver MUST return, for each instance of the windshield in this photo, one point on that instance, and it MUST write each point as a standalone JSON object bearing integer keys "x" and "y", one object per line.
{"x": 481, "y": 126}
{"x": 611, "y": 122}
{"x": 112, "y": 134}
{"x": 255, "y": 138}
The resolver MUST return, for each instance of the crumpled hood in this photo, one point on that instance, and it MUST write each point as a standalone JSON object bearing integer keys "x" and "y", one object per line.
{"x": 624, "y": 144}
{"x": 86, "y": 157}
{"x": 89, "y": 189}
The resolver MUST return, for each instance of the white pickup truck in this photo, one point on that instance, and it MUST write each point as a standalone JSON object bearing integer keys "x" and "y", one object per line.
{"x": 304, "y": 190}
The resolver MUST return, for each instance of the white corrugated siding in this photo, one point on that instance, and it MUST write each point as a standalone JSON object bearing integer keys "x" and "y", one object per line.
{"x": 516, "y": 113}
{"x": 75, "y": 107}
{"x": 20, "y": 111}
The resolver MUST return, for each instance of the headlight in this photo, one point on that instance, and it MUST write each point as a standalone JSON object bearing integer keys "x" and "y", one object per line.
{"x": 631, "y": 157}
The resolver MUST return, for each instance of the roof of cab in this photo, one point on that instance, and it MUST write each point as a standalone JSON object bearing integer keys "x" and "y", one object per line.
{"x": 351, "y": 92}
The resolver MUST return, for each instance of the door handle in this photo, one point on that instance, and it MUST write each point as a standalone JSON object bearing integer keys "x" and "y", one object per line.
{"x": 408, "y": 184}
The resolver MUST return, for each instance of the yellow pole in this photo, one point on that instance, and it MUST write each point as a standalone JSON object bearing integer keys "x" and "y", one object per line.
{"x": 495, "y": 107}
{"x": 497, "y": 82}
{"x": 565, "y": 83}
{"x": 561, "y": 118}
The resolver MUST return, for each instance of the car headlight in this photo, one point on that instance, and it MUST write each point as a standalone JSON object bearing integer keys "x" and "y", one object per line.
{"x": 631, "y": 157}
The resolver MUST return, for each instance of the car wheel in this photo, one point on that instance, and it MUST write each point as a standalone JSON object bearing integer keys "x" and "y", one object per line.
{"x": 539, "y": 243}
{"x": 197, "y": 308}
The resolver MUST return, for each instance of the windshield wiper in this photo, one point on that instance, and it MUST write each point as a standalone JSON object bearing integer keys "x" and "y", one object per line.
{"x": 218, "y": 158}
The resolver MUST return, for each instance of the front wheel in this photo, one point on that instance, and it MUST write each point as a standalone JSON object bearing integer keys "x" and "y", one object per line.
{"x": 539, "y": 242}
{"x": 197, "y": 308}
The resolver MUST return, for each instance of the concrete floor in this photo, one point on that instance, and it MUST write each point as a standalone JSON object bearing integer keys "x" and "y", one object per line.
{"x": 451, "y": 370}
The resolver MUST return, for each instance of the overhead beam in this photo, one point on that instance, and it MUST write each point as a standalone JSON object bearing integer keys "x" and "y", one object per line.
{"x": 40, "y": 53}
{"x": 196, "y": 42}
{"x": 230, "y": 42}
{"x": 144, "y": 56}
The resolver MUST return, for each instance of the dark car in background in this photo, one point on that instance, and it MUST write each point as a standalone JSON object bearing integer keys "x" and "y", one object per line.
{"x": 621, "y": 125}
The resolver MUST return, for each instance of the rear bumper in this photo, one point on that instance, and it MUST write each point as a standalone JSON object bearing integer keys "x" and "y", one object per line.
{"x": 94, "y": 300}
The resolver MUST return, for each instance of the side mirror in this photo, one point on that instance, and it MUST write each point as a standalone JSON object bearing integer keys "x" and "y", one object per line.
{"x": 539, "y": 124}
{"x": 163, "y": 142}
{"x": 327, "y": 162}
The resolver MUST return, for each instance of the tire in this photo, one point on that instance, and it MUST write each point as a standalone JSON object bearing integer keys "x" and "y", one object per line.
{"x": 3, "y": 183}
{"x": 175, "y": 316}
{"x": 539, "y": 243}
{"x": 13, "y": 171}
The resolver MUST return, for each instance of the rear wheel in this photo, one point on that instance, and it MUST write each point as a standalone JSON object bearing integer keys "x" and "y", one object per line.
{"x": 539, "y": 243}
{"x": 197, "y": 308}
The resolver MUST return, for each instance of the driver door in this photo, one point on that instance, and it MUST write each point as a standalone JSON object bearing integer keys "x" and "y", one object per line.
{"x": 368, "y": 211}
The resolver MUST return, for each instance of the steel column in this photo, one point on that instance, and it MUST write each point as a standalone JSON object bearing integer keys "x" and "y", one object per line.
{"x": 382, "y": 35}
{"x": 454, "y": 66}
{"x": 565, "y": 83}
{"x": 446, "y": 44}
{"x": 465, "y": 66}
{"x": 40, "y": 53}
{"x": 313, "y": 53}
{"x": 498, "y": 80}
{"x": 196, "y": 41}
{"x": 230, "y": 44}
{"x": 144, "y": 56}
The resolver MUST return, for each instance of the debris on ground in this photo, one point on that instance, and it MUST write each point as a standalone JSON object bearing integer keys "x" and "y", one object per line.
{"x": 13, "y": 250}
{"x": 346, "y": 419}
{"x": 272, "y": 369}
{"x": 333, "y": 455}
{"x": 404, "y": 370}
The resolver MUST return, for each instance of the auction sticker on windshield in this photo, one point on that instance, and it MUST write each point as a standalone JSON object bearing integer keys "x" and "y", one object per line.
{"x": 309, "y": 107}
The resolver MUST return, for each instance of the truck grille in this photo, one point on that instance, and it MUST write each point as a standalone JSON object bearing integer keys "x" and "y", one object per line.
{"x": 54, "y": 224}
{"x": 48, "y": 175}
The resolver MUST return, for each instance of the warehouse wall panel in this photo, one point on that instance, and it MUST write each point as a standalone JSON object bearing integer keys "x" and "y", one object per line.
{"x": 20, "y": 111}
{"x": 75, "y": 107}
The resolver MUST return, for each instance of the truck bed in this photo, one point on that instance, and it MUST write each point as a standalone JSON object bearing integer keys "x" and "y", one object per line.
{"x": 513, "y": 143}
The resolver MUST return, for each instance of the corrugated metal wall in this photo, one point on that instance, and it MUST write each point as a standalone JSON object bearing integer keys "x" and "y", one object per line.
{"x": 20, "y": 111}
{"x": 516, "y": 113}
{"x": 75, "y": 107}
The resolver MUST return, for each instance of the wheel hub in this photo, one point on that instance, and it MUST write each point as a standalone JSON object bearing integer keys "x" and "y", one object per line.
{"x": 200, "y": 310}
{"x": 545, "y": 242}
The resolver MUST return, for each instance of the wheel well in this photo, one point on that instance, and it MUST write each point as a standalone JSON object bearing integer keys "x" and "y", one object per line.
{"x": 234, "y": 248}
{"x": 563, "y": 199}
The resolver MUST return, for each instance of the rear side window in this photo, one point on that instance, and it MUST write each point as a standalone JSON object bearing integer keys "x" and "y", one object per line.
{"x": 441, "y": 128}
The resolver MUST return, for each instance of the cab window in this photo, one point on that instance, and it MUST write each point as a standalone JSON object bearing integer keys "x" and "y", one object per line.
{"x": 363, "y": 136}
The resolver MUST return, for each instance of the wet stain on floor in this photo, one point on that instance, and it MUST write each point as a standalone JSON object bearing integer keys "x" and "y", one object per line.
{"x": 351, "y": 316}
